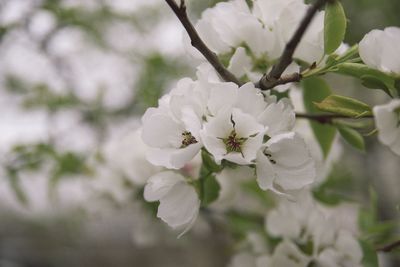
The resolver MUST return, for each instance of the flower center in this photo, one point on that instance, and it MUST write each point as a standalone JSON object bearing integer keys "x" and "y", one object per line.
{"x": 234, "y": 143}
{"x": 187, "y": 139}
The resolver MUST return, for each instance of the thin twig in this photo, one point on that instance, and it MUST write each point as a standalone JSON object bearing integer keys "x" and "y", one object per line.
{"x": 197, "y": 42}
{"x": 270, "y": 80}
{"x": 326, "y": 118}
{"x": 389, "y": 247}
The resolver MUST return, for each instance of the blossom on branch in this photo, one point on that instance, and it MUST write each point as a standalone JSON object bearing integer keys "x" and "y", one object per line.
{"x": 379, "y": 49}
{"x": 387, "y": 120}
{"x": 179, "y": 203}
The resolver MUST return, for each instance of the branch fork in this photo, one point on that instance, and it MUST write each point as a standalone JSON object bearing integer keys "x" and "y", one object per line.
{"x": 268, "y": 80}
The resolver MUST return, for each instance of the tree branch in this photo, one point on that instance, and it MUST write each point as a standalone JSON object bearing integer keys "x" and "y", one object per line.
{"x": 389, "y": 247}
{"x": 274, "y": 78}
{"x": 266, "y": 83}
{"x": 197, "y": 42}
{"x": 325, "y": 118}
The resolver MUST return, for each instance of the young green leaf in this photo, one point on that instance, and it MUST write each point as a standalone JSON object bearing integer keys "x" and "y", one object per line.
{"x": 372, "y": 82}
{"x": 370, "y": 258}
{"x": 315, "y": 90}
{"x": 352, "y": 137}
{"x": 335, "y": 26}
{"x": 209, "y": 163}
{"x": 15, "y": 184}
{"x": 210, "y": 189}
{"x": 371, "y": 78}
{"x": 344, "y": 106}
{"x": 397, "y": 86}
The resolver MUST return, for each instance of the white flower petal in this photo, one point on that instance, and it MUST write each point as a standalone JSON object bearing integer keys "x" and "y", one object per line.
{"x": 237, "y": 158}
{"x": 179, "y": 206}
{"x": 387, "y": 122}
{"x": 245, "y": 125}
{"x": 162, "y": 131}
{"x": 214, "y": 145}
{"x": 294, "y": 166}
{"x": 289, "y": 255}
{"x": 289, "y": 149}
{"x": 192, "y": 122}
{"x": 278, "y": 117}
{"x": 222, "y": 97}
{"x": 280, "y": 223}
{"x": 250, "y": 100}
{"x": 219, "y": 126}
{"x": 252, "y": 146}
{"x": 173, "y": 158}
{"x": 160, "y": 184}
{"x": 182, "y": 156}
{"x": 378, "y": 49}
{"x": 240, "y": 63}
{"x": 349, "y": 246}
{"x": 265, "y": 171}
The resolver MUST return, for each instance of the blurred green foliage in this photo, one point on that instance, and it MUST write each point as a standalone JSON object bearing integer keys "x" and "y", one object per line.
{"x": 34, "y": 157}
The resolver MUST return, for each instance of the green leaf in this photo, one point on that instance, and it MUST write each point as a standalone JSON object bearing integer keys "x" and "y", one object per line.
{"x": 371, "y": 78}
{"x": 373, "y": 82}
{"x": 344, "y": 106}
{"x": 370, "y": 258}
{"x": 316, "y": 90}
{"x": 209, "y": 163}
{"x": 373, "y": 230}
{"x": 15, "y": 185}
{"x": 368, "y": 217}
{"x": 335, "y": 26}
{"x": 397, "y": 86}
{"x": 210, "y": 189}
{"x": 352, "y": 137}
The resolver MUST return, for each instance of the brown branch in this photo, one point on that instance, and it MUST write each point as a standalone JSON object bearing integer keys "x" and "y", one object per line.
{"x": 389, "y": 247}
{"x": 267, "y": 83}
{"x": 274, "y": 78}
{"x": 326, "y": 118}
{"x": 197, "y": 42}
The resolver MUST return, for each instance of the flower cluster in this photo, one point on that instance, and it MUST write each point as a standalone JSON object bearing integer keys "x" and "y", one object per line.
{"x": 379, "y": 50}
{"x": 243, "y": 133}
{"x": 306, "y": 239}
{"x": 235, "y": 125}
{"x": 256, "y": 37}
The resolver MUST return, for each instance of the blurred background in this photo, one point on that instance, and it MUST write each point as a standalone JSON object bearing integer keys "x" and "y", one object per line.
{"x": 75, "y": 77}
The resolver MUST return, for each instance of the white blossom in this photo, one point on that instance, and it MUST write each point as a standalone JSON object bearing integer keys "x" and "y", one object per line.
{"x": 277, "y": 116}
{"x": 265, "y": 29}
{"x": 284, "y": 163}
{"x": 240, "y": 63}
{"x": 173, "y": 138}
{"x": 289, "y": 255}
{"x": 179, "y": 203}
{"x": 234, "y": 136}
{"x": 130, "y": 162}
{"x": 387, "y": 120}
{"x": 282, "y": 17}
{"x": 346, "y": 252}
{"x": 379, "y": 49}
{"x": 229, "y": 25}
{"x": 305, "y": 220}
